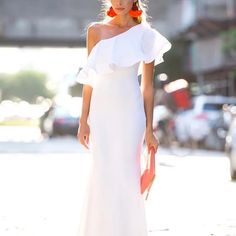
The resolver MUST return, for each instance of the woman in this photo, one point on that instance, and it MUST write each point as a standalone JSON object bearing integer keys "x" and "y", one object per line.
{"x": 117, "y": 116}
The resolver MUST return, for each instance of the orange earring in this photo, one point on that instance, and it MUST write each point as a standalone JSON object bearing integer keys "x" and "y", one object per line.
{"x": 111, "y": 12}
{"x": 135, "y": 12}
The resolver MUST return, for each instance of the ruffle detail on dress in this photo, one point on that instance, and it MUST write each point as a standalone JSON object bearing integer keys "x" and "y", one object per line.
{"x": 122, "y": 50}
{"x": 139, "y": 43}
{"x": 86, "y": 76}
{"x": 154, "y": 45}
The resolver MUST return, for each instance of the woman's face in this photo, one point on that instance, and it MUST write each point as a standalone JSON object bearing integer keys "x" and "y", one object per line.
{"x": 121, "y": 7}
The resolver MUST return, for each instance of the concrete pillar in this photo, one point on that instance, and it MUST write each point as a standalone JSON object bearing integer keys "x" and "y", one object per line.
{"x": 200, "y": 82}
{"x": 231, "y": 84}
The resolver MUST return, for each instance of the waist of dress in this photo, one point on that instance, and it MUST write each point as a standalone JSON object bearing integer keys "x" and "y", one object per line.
{"x": 119, "y": 74}
{"x": 117, "y": 81}
{"x": 118, "y": 71}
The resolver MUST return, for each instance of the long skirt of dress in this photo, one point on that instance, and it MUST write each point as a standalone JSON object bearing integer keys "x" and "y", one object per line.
{"x": 113, "y": 205}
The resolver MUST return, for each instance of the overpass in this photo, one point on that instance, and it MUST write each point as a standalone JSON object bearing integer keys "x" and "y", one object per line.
{"x": 60, "y": 23}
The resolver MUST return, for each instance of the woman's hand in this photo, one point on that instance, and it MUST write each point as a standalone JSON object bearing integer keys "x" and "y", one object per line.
{"x": 83, "y": 134}
{"x": 151, "y": 140}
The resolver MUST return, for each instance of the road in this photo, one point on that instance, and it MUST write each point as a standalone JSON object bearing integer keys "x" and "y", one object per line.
{"x": 42, "y": 191}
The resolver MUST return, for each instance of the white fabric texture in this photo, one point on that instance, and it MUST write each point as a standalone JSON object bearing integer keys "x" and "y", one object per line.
{"x": 139, "y": 43}
{"x": 113, "y": 204}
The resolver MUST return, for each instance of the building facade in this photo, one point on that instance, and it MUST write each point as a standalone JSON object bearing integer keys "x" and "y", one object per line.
{"x": 206, "y": 28}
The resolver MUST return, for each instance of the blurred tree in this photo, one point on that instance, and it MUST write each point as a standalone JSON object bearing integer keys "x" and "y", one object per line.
{"x": 174, "y": 61}
{"x": 76, "y": 90}
{"x": 229, "y": 47}
{"x": 25, "y": 85}
{"x": 229, "y": 40}
{"x": 4, "y": 86}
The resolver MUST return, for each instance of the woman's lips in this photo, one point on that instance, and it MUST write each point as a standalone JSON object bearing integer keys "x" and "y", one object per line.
{"x": 119, "y": 8}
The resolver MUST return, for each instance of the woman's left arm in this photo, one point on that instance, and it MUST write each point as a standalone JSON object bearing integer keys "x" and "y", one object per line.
{"x": 147, "y": 90}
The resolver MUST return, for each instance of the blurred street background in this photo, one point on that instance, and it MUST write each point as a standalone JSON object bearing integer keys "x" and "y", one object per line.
{"x": 44, "y": 169}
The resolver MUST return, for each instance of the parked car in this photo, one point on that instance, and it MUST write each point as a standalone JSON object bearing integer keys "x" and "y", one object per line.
{"x": 63, "y": 119}
{"x": 203, "y": 122}
{"x": 64, "y": 122}
{"x": 231, "y": 144}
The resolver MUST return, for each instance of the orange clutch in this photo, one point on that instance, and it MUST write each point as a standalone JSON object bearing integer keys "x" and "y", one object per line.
{"x": 148, "y": 174}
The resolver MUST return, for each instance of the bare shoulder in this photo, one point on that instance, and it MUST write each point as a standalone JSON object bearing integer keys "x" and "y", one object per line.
{"x": 95, "y": 25}
{"x": 94, "y": 31}
{"x": 93, "y": 28}
{"x": 93, "y": 34}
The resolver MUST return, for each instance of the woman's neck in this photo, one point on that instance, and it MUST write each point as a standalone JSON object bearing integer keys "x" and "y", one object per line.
{"x": 123, "y": 21}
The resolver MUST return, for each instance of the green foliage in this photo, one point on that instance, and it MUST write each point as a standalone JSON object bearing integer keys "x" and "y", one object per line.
{"x": 76, "y": 90}
{"x": 174, "y": 61}
{"x": 229, "y": 39}
{"x": 24, "y": 85}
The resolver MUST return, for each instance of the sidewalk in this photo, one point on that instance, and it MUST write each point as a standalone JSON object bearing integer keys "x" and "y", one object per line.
{"x": 42, "y": 194}
{"x": 55, "y": 145}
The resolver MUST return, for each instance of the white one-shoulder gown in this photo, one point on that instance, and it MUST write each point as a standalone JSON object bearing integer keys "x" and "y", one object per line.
{"x": 113, "y": 205}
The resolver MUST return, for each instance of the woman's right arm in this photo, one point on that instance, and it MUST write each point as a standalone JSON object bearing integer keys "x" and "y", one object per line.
{"x": 83, "y": 132}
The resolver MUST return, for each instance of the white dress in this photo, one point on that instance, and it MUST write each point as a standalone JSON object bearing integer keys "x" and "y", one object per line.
{"x": 113, "y": 205}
